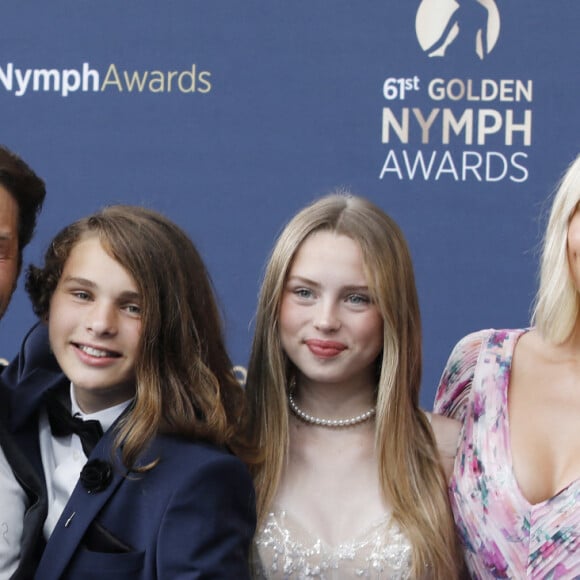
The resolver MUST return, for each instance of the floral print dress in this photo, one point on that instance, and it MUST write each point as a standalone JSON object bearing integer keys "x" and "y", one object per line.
{"x": 503, "y": 535}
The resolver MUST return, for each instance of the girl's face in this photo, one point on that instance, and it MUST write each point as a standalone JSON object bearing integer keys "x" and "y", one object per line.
{"x": 330, "y": 327}
{"x": 94, "y": 326}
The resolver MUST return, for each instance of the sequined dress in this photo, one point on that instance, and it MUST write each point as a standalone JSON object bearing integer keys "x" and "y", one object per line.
{"x": 288, "y": 551}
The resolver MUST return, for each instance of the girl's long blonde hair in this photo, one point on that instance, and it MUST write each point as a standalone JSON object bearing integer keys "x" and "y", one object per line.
{"x": 410, "y": 473}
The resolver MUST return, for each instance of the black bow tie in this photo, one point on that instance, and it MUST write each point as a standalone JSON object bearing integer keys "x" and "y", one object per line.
{"x": 63, "y": 423}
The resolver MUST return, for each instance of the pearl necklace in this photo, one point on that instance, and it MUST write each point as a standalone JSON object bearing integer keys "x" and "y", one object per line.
{"x": 338, "y": 423}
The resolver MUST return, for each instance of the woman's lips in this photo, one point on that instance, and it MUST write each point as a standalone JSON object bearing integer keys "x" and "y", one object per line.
{"x": 325, "y": 348}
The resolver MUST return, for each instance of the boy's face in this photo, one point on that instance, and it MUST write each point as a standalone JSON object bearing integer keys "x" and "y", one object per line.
{"x": 94, "y": 326}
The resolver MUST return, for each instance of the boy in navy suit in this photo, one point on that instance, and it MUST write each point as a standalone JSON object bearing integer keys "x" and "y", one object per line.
{"x": 146, "y": 411}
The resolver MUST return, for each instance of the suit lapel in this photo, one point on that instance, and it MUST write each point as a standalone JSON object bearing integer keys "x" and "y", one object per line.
{"x": 27, "y": 397}
{"x": 26, "y": 401}
{"x": 82, "y": 508}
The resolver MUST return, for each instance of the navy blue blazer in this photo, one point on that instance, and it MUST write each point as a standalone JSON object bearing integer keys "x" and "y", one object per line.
{"x": 191, "y": 516}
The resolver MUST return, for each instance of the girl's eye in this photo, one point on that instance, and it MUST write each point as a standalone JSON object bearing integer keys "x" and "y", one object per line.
{"x": 303, "y": 292}
{"x": 358, "y": 299}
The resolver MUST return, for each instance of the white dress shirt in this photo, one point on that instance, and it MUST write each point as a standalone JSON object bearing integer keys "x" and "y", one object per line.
{"x": 13, "y": 503}
{"x": 63, "y": 458}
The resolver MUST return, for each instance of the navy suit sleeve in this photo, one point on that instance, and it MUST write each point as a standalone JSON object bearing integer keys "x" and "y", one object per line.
{"x": 209, "y": 524}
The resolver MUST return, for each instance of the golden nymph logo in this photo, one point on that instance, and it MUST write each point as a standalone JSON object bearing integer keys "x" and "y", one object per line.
{"x": 454, "y": 128}
{"x": 469, "y": 27}
{"x": 86, "y": 79}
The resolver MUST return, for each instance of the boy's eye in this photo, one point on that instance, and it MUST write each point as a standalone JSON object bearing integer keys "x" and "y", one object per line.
{"x": 81, "y": 295}
{"x": 133, "y": 309}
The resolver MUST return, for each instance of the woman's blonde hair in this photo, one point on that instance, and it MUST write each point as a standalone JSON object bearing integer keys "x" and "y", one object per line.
{"x": 409, "y": 469}
{"x": 557, "y": 307}
{"x": 184, "y": 379}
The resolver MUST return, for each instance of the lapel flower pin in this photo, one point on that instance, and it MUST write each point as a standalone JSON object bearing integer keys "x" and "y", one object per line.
{"x": 96, "y": 475}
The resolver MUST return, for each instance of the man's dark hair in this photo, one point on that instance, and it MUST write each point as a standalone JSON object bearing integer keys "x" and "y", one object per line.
{"x": 27, "y": 189}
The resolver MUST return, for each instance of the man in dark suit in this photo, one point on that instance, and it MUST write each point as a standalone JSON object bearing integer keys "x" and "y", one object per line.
{"x": 22, "y": 500}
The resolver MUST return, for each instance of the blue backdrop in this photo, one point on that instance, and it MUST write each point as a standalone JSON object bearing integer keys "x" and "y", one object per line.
{"x": 456, "y": 117}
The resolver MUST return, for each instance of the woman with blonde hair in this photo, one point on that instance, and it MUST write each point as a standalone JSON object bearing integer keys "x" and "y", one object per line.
{"x": 516, "y": 482}
{"x": 350, "y": 480}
